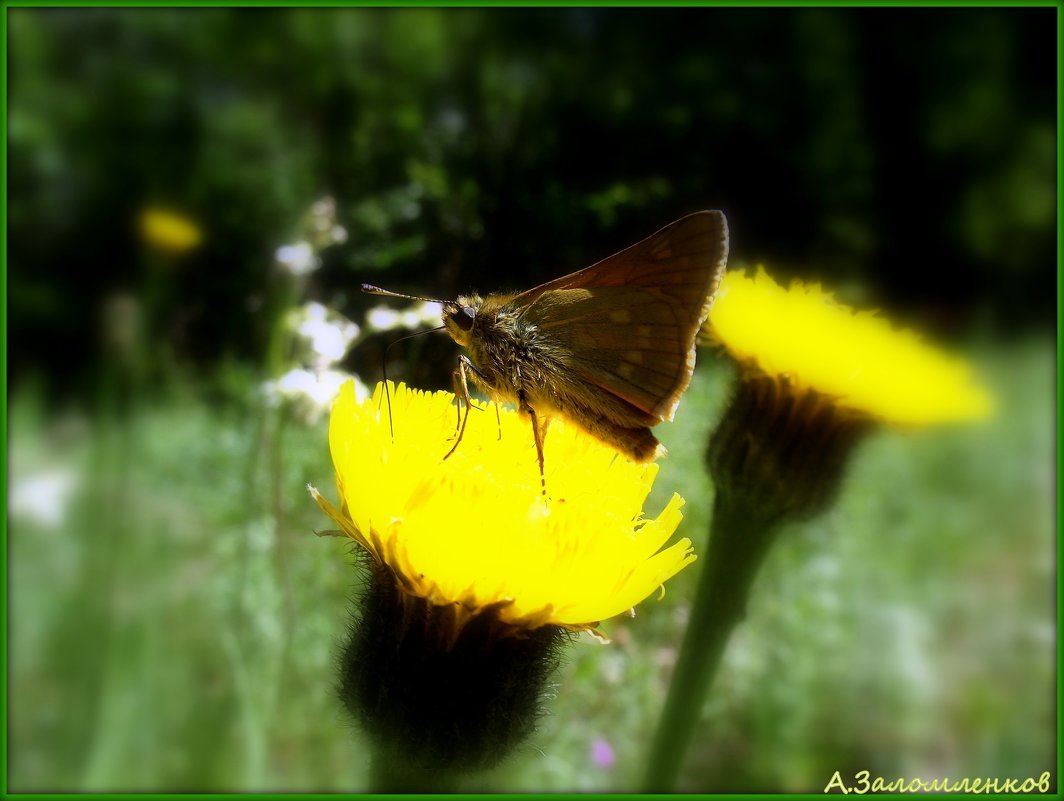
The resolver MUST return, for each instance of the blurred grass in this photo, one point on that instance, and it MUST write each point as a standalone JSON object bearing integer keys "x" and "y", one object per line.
{"x": 177, "y": 630}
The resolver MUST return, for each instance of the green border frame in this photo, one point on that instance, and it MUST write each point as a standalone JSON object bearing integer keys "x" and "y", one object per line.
{"x": 3, "y": 405}
{"x": 541, "y": 4}
{"x": 5, "y": 4}
{"x": 1060, "y": 388}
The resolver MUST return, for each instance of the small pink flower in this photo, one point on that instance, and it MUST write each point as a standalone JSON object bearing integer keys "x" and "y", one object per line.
{"x": 602, "y": 753}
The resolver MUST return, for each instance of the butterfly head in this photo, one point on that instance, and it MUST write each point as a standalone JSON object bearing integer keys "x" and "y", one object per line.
{"x": 458, "y": 317}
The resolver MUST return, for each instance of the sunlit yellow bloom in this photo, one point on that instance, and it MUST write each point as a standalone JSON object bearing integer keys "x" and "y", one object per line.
{"x": 856, "y": 358}
{"x": 474, "y": 530}
{"x": 168, "y": 231}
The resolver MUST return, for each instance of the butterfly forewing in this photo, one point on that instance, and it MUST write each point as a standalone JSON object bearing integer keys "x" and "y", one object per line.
{"x": 627, "y": 324}
{"x": 684, "y": 261}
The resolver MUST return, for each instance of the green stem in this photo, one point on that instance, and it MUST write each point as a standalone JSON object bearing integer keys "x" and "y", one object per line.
{"x": 281, "y": 535}
{"x": 279, "y": 345}
{"x": 739, "y": 540}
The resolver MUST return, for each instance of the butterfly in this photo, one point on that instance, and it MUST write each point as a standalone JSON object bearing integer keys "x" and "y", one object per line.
{"x": 610, "y": 348}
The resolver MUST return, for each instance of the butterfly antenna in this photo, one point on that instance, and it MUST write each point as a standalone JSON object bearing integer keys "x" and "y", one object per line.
{"x": 370, "y": 289}
{"x": 384, "y": 367}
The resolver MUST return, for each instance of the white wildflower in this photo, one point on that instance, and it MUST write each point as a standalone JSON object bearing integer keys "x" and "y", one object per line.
{"x": 298, "y": 259}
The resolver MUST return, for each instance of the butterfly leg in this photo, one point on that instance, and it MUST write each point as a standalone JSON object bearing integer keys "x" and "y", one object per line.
{"x": 537, "y": 433}
{"x": 460, "y": 383}
{"x": 461, "y": 393}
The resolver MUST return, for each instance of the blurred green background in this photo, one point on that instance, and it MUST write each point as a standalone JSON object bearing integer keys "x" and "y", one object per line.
{"x": 173, "y": 619}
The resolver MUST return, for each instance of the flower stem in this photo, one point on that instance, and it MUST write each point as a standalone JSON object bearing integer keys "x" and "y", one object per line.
{"x": 740, "y": 538}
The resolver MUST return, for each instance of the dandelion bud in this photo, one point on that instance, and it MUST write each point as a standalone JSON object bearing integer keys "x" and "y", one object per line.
{"x": 438, "y": 695}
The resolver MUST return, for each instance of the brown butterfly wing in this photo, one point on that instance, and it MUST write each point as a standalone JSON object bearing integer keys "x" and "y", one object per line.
{"x": 628, "y": 323}
{"x": 684, "y": 261}
{"x": 627, "y": 341}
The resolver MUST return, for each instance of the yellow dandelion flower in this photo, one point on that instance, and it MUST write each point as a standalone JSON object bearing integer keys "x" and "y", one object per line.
{"x": 474, "y": 530}
{"x": 169, "y": 231}
{"x": 857, "y": 359}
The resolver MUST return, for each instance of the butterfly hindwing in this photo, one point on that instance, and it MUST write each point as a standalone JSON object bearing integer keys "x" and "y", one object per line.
{"x": 645, "y": 366}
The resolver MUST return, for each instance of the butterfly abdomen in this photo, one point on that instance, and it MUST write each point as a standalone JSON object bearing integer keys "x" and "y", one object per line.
{"x": 639, "y": 444}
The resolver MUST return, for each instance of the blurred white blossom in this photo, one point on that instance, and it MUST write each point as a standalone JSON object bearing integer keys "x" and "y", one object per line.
{"x": 411, "y": 319}
{"x": 323, "y": 225}
{"x": 382, "y": 318}
{"x": 311, "y": 391}
{"x": 323, "y": 209}
{"x": 319, "y": 231}
{"x": 42, "y": 497}
{"x": 298, "y": 259}
{"x": 419, "y": 315}
{"x": 328, "y": 333}
{"x": 321, "y": 335}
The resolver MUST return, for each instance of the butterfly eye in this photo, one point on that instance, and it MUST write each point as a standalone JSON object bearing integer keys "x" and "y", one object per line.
{"x": 465, "y": 319}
